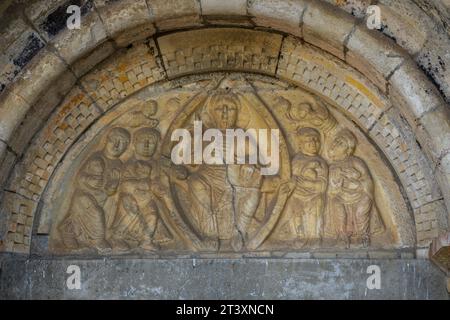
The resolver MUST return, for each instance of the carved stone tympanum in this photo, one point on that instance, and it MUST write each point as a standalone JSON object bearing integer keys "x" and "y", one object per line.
{"x": 124, "y": 193}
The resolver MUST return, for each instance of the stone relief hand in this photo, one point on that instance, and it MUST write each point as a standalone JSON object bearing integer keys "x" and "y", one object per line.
{"x": 113, "y": 181}
{"x": 245, "y": 175}
{"x": 130, "y": 205}
{"x": 287, "y": 187}
{"x": 115, "y": 174}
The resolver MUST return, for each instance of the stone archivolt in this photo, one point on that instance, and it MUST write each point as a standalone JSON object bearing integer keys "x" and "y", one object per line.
{"x": 414, "y": 105}
{"x": 123, "y": 193}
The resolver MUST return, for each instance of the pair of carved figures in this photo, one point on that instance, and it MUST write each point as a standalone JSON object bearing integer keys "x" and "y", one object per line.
{"x": 115, "y": 204}
{"x": 331, "y": 202}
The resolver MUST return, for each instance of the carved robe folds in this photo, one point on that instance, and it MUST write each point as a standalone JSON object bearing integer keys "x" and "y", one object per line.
{"x": 128, "y": 196}
{"x": 351, "y": 207}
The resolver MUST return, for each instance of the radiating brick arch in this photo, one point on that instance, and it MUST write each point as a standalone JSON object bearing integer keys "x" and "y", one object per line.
{"x": 58, "y": 94}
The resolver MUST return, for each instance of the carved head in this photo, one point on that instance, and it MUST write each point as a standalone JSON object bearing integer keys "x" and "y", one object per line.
{"x": 343, "y": 146}
{"x": 309, "y": 141}
{"x": 222, "y": 110}
{"x": 299, "y": 112}
{"x": 145, "y": 142}
{"x": 117, "y": 142}
{"x": 150, "y": 108}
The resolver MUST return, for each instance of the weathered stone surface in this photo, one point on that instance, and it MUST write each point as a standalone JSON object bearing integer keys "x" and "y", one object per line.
{"x": 413, "y": 92}
{"x": 75, "y": 113}
{"x": 448, "y": 285}
{"x": 12, "y": 110}
{"x": 402, "y": 138}
{"x": 84, "y": 65}
{"x": 222, "y": 279}
{"x": 17, "y": 236}
{"x": 418, "y": 27}
{"x": 306, "y": 67}
{"x": 41, "y": 73}
{"x": 226, "y": 49}
{"x": 327, "y": 28}
{"x": 356, "y": 104}
{"x": 173, "y": 14}
{"x": 435, "y": 61}
{"x": 121, "y": 15}
{"x": 74, "y": 44}
{"x": 373, "y": 55}
{"x": 440, "y": 252}
{"x": 7, "y": 161}
{"x": 405, "y": 23}
{"x": 18, "y": 55}
{"x": 279, "y": 15}
{"x": 431, "y": 218}
{"x": 124, "y": 74}
{"x": 355, "y": 7}
{"x": 443, "y": 177}
{"x": 40, "y": 10}
{"x": 10, "y": 31}
{"x": 50, "y": 17}
{"x": 219, "y": 7}
{"x": 434, "y": 132}
{"x": 413, "y": 169}
{"x": 137, "y": 34}
{"x": 295, "y": 111}
{"x": 38, "y": 114}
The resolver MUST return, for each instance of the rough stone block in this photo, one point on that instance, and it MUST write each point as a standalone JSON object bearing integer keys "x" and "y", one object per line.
{"x": 407, "y": 255}
{"x": 354, "y": 7}
{"x": 297, "y": 255}
{"x": 424, "y": 238}
{"x": 278, "y": 14}
{"x": 383, "y": 255}
{"x": 433, "y": 132}
{"x": 440, "y": 252}
{"x": 179, "y": 23}
{"x": 3, "y": 147}
{"x": 119, "y": 16}
{"x": 12, "y": 109}
{"x": 83, "y": 65}
{"x": 404, "y": 22}
{"x": 11, "y": 29}
{"x": 413, "y": 92}
{"x": 18, "y": 55}
{"x": 221, "y": 279}
{"x": 7, "y": 161}
{"x": 220, "y": 7}
{"x": 74, "y": 44}
{"x": 373, "y": 55}
{"x": 327, "y": 28}
{"x": 434, "y": 60}
{"x": 41, "y": 72}
{"x": 434, "y": 215}
{"x": 50, "y": 17}
{"x": 422, "y": 253}
{"x": 173, "y": 14}
{"x": 133, "y": 35}
{"x": 117, "y": 78}
{"x": 12, "y": 221}
{"x": 40, "y": 111}
{"x": 448, "y": 285}
{"x": 419, "y": 27}
{"x": 443, "y": 177}
{"x": 225, "y": 49}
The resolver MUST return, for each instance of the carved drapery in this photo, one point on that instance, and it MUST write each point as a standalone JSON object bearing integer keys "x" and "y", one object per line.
{"x": 122, "y": 193}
